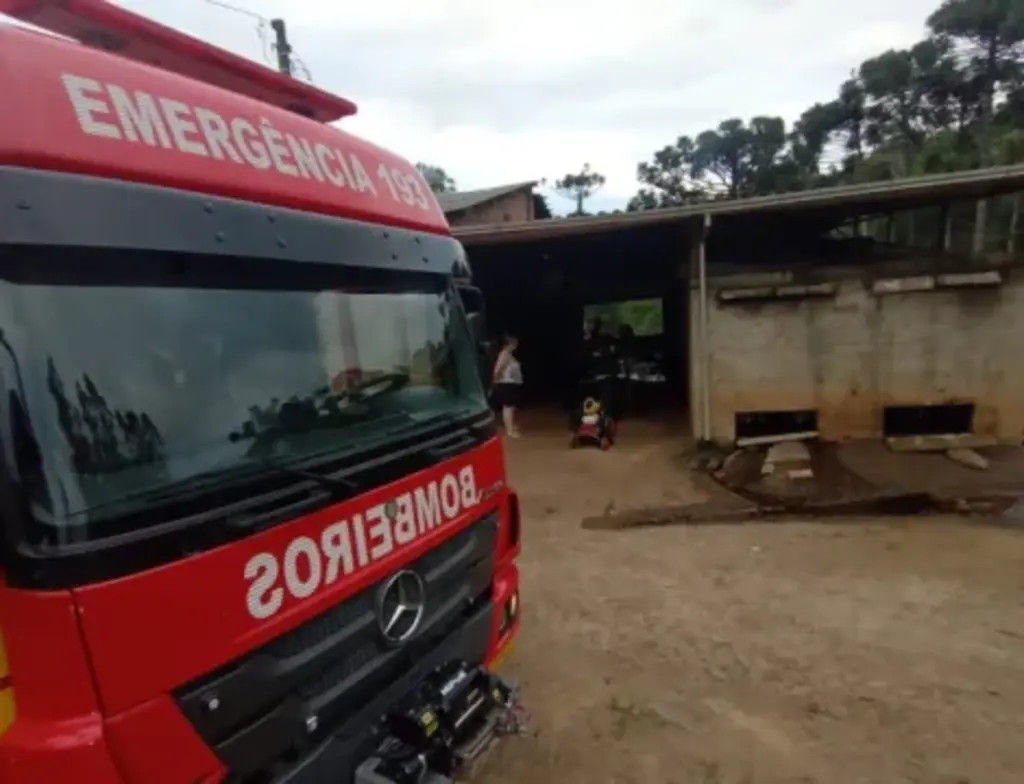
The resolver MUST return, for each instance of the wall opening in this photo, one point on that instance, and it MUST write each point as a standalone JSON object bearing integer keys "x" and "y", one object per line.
{"x": 936, "y": 420}
{"x": 772, "y": 424}
{"x": 643, "y": 318}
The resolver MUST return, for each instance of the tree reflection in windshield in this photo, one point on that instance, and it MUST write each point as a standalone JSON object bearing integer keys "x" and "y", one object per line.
{"x": 133, "y": 391}
{"x": 266, "y": 424}
{"x": 104, "y": 440}
{"x": 324, "y": 409}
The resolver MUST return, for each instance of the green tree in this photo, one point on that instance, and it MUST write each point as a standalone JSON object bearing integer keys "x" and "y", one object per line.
{"x": 437, "y": 178}
{"x": 770, "y": 166}
{"x": 1005, "y": 146}
{"x": 952, "y": 101}
{"x": 580, "y": 186}
{"x": 896, "y": 111}
{"x": 719, "y": 155}
{"x": 811, "y": 134}
{"x": 667, "y": 179}
{"x": 990, "y": 33}
{"x": 852, "y": 120}
{"x": 733, "y": 160}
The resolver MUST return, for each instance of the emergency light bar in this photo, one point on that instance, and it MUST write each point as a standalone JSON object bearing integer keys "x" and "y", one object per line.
{"x": 106, "y": 26}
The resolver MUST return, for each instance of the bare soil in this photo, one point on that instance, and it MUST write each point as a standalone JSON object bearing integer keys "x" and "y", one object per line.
{"x": 869, "y": 651}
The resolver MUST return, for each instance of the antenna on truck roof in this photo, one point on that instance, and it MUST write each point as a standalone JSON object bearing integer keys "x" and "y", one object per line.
{"x": 106, "y": 26}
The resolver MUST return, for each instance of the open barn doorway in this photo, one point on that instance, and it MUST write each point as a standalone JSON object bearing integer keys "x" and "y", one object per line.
{"x": 544, "y": 292}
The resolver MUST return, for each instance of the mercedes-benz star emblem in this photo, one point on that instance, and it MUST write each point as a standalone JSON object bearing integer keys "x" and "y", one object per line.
{"x": 400, "y": 605}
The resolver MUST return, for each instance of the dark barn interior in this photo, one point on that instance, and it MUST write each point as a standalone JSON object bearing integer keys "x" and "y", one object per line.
{"x": 538, "y": 290}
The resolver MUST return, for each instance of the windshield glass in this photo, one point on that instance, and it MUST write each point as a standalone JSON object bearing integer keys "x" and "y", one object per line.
{"x": 133, "y": 391}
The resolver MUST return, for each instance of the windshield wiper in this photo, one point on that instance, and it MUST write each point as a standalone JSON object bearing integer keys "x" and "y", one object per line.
{"x": 239, "y": 473}
{"x": 338, "y": 487}
{"x": 265, "y": 444}
{"x": 256, "y": 468}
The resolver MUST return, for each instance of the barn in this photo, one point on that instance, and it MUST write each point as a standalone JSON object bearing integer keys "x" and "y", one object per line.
{"x": 769, "y": 315}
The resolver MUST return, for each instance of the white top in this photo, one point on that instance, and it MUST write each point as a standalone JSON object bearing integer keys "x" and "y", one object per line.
{"x": 511, "y": 372}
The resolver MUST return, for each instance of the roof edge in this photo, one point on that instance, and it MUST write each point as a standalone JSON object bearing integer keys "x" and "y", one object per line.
{"x": 973, "y": 183}
{"x": 483, "y": 195}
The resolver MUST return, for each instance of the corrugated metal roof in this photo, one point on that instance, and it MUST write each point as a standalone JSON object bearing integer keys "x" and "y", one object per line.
{"x": 863, "y": 198}
{"x": 456, "y": 201}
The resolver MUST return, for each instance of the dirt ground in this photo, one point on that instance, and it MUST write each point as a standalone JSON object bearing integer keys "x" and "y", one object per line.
{"x": 870, "y": 651}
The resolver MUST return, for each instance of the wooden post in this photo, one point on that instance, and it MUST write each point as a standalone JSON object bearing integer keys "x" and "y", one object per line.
{"x": 705, "y": 349}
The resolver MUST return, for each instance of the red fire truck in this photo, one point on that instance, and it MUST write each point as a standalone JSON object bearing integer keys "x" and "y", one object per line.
{"x": 254, "y": 519}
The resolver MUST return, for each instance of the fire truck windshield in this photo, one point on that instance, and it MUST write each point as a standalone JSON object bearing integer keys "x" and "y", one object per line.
{"x": 129, "y": 392}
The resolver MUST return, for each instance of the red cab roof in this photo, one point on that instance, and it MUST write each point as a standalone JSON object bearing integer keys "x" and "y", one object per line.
{"x": 115, "y": 29}
{"x": 76, "y": 109}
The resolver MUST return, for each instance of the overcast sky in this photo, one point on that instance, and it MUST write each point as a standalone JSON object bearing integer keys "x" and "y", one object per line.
{"x": 499, "y": 92}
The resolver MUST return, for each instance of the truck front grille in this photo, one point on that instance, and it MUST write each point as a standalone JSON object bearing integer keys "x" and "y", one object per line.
{"x": 265, "y": 711}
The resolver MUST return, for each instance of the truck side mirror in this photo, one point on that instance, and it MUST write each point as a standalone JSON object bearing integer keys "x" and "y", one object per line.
{"x": 472, "y": 298}
{"x": 477, "y": 331}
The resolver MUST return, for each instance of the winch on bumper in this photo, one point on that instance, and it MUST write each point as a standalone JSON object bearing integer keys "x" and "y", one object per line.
{"x": 443, "y": 726}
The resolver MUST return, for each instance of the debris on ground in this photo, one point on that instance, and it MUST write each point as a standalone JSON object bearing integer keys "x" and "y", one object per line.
{"x": 1013, "y": 514}
{"x": 935, "y": 472}
{"x": 983, "y": 507}
{"x": 790, "y": 510}
{"x": 730, "y": 464}
{"x": 798, "y": 479}
{"x": 682, "y": 514}
{"x": 779, "y": 438}
{"x": 708, "y": 458}
{"x": 793, "y": 473}
{"x": 788, "y": 452}
{"x": 967, "y": 457}
{"x": 938, "y": 443}
{"x": 788, "y": 461}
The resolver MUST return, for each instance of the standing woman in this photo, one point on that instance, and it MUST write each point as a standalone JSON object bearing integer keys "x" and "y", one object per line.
{"x": 508, "y": 384}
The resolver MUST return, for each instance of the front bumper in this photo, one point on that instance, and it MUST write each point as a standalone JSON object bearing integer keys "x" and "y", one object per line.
{"x": 337, "y": 757}
{"x": 37, "y": 752}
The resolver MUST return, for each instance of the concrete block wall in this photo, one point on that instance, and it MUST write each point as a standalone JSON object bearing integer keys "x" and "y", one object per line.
{"x": 850, "y": 356}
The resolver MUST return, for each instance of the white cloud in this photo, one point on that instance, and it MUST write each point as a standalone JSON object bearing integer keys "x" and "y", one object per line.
{"x": 499, "y": 93}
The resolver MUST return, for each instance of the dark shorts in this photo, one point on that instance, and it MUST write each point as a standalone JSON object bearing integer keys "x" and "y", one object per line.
{"x": 507, "y": 395}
